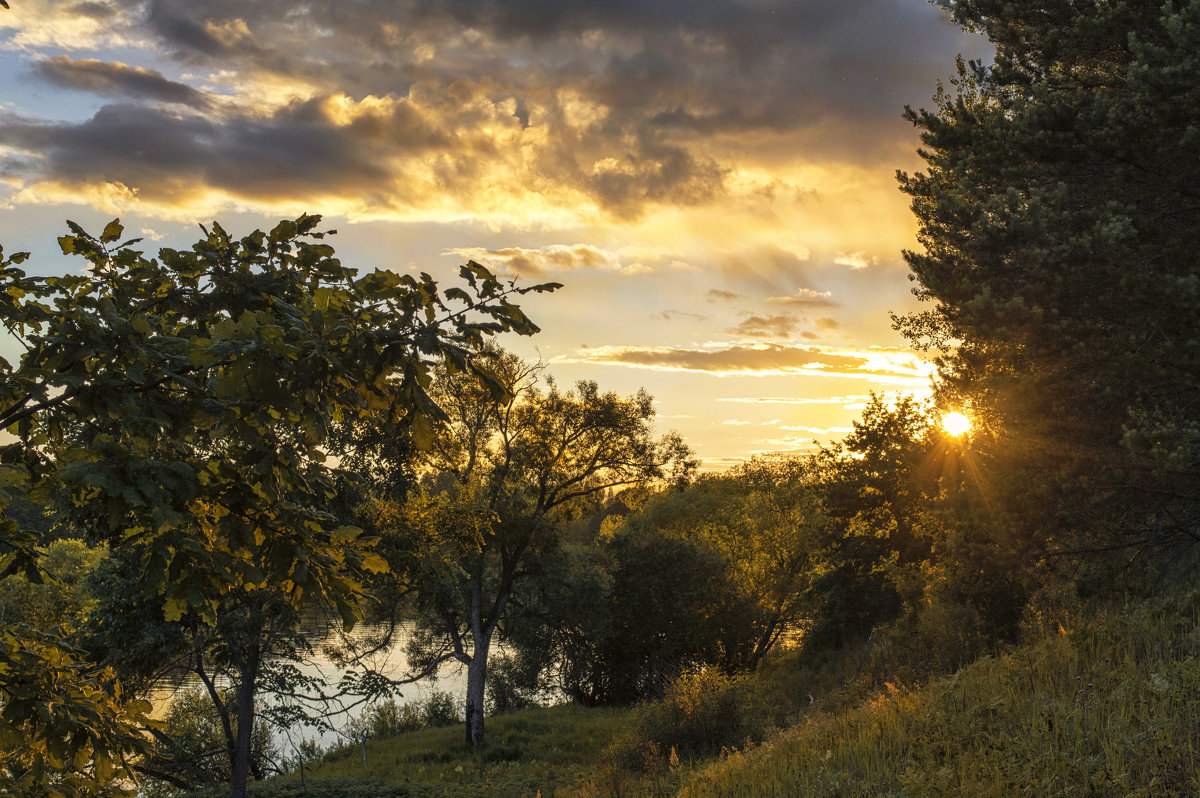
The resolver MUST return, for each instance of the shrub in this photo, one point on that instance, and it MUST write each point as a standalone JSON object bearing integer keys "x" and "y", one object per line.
{"x": 392, "y": 718}
{"x": 701, "y": 713}
{"x": 513, "y": 683}
{"x": 197, "y": 752}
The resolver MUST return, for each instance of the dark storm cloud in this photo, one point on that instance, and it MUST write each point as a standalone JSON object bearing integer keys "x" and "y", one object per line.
{"x": 139, "y": 145}
{"x": 667, "y": 175}
{"x": 713, "y": 65}
{"x": 685, "y": 60}
{"x": 634, "y": 104}
{"x": 399, "y": 154}
{"x": 115, "y": 78}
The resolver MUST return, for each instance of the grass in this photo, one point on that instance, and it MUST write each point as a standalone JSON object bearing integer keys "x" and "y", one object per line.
{"x": 548, "y": 751}
{"x": 1107, "y": 708}
{"x": 1102, "y": 703}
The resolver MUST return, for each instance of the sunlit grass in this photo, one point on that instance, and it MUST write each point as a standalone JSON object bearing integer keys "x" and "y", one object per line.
{"x": 1107, "y": 708}
{"x": 1104, "y": 704}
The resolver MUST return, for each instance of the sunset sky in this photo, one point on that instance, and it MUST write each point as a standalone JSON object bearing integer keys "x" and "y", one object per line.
{"x": 713, "y": 181}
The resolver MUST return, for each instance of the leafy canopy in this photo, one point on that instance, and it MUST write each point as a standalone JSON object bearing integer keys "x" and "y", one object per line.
{"x": 183, "y": 403}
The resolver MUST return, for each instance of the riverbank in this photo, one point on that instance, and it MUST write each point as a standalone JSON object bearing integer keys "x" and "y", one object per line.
{"x": 1102, "y": 702}
{"x": 547, "y": 751}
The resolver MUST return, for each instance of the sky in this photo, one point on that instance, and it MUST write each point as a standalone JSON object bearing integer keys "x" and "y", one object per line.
{"x": 713, "y": 181}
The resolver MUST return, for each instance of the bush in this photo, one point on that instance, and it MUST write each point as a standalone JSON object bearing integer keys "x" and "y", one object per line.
{"x": 392, "y": 718}
{"x": 514, "y": 683}
{"x": 197, "y": 752}
{"x": 701, "y": 713}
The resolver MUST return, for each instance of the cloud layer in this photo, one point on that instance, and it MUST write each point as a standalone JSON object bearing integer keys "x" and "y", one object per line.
{"x": 883, "y": 366}
{"x": 712, "y": 180}
{"x": 515, "y": 110}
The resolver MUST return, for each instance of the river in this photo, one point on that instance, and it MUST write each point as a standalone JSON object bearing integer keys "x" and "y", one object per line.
{"x": 390, "y": 662}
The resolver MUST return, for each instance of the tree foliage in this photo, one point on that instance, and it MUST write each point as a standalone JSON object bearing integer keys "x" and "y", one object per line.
{"x": 912, "y": 524}
{"x": 878, "y": 485}
{"x": 184, "y": 402}
{"x": 713, "y": 575}
{"x": 1060, "y": 223}
{"x": 502, "y": 475}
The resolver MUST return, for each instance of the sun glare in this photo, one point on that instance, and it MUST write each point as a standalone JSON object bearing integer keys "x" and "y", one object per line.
{"x": 956, "y": 424}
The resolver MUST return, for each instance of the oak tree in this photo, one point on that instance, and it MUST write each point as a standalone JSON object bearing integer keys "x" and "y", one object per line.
{"x": 184, "y": 402}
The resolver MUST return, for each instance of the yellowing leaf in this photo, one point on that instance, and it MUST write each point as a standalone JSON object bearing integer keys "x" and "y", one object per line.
{"x": 112, "y": 231}
{"x": 374, "y": 563}
{"x": 174, "y": 608}
{"x": 422, "y": 432}
{"x": 345, "y": 534}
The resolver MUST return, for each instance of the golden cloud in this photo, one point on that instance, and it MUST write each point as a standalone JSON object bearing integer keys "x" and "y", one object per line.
{"x": 554, "y": 259}
{"x": 880, "y": 366}
{"x": 806, "y": 297}
{"x": 753, "y": 326}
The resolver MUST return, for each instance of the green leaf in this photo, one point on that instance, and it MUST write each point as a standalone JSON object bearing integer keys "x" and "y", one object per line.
{"x": 174, "y": 608}
{"x": 112, "y": 232}
{"x": 349, "y": 615}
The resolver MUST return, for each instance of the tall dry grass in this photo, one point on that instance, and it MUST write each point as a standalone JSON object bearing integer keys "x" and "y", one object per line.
{"x": 1102, "y": 705}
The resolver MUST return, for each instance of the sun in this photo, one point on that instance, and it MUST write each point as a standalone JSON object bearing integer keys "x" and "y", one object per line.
{"x": 956, "y": 424}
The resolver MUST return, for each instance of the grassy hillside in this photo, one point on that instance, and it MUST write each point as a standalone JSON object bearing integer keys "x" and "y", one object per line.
{"x": 1110, "y": 706}
{"x": 1105, "y": 705}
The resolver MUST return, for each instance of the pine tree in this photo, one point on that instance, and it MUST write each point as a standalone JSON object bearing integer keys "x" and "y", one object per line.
{"x": 1060, "y": 219}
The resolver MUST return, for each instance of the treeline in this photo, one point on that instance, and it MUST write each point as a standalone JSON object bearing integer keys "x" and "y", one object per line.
{"x": 819, "y": 550}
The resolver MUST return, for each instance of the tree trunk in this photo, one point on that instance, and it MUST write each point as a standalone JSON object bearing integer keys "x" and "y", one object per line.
{"x": 476, "y": 679}
{"x": 248, "y": 675}
{"x": 481, "y": 640}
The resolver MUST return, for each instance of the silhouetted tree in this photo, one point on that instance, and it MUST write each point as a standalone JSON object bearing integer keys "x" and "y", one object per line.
{"x": 1060, "y": 222}
{"x": 499, "y": 479}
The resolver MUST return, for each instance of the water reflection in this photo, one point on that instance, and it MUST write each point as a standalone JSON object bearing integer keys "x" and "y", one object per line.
{"x": 326, "y": 663}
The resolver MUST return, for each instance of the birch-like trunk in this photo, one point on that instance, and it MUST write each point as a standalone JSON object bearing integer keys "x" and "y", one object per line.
{"x": 481, "y": 640}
